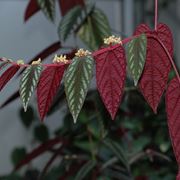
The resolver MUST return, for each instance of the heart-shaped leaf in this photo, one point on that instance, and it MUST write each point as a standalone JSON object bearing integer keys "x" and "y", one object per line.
{"x": 77, "y": 81}
{"x": 48, "y": 8}
{"x": 48, "y": 85}
{"x": 29, "y": 82}
{"x": 157, "y": 67}
{"x": 110, "y": 77}
{"x": 173, "y": 114}
{"x": 136, "y": 56}
{"x": 7, "y": 75}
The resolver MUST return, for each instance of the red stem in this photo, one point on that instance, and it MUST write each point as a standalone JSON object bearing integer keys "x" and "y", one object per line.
{"x": 156, "y": 15}
{"x": 170, "y": 58}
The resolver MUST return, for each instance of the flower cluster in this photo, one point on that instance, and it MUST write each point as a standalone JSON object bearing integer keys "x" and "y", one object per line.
{"x": 112, "y": 40}
{"x": 82, "y": 53}
{"x": 60, "y": 59}
{"x": 36, "y": 62}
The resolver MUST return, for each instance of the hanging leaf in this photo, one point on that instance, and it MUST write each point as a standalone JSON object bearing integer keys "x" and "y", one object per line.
{"x": 157, "y": 68}
{"x": 48, "y": 85}
{"x": 136, "y": 54}
{"x": 110, "y": 77}
{"x": 66, "y": 5}
{"x": 173, "y": 114}
{"x": 29, "y": 82}
{"x": 68, "y": 22}
{"x": 7, "y": 75}
{"x": 95, "y": 29}
{"x": 3, "y": 64}
{"x": 31, "y": 9}
{"x": 86, "y": 168}
{"x": 77, "y": 81}
{"x": 48, "y": 8}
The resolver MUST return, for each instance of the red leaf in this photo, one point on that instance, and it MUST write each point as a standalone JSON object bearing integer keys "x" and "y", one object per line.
{"x": 47, "y": 88}
{"x": 38, "y": 151}
{"x": 7, "y": 75}
{"x": 157, "y": 66}
{"x": 45, "y": 53}
{"x": 173, "y": 114}
{"x": 110, "y": 77}
{"x": 32, "y": 8}
{"x": 163, "y": 33}
{"x": 66, "y": 5}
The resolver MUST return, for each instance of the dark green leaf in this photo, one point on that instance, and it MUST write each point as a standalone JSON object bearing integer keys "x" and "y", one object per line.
{"x": 41, "y": 133}
{"x": 95, "y": 29}
{"x": 17, "y": 155}
{"x": 68, "y": 22}
{"x": 136, "y": 55}
{"x": 77, "y": 81}
{"x": 27, "y": 117}
{"x": 86, "y": 168}
{"x": 48, "y": 8}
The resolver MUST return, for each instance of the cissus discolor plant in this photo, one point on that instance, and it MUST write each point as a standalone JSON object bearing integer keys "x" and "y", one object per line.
{"x": 149, "y": 61}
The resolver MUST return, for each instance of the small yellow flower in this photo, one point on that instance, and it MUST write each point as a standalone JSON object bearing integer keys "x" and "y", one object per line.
{"x": 112, "y": 40}
{"x": 60, "y": 59}
{"x": 36, "y": 62}
{"x": 20, "y": 62}
{"x": 82, "y": 53}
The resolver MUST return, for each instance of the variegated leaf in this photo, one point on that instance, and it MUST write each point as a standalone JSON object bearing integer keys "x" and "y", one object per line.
{"x": 48, "y": 8}
{"x": 77, "y": 81}
{"x": 29, "y": 82}
{"x": 136, "y": 55}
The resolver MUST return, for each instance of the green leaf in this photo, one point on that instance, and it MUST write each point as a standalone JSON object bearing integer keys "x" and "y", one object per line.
{"x": 68, "y": 22}
{"x": 118, "y": 151}
{"x": 41, "y": 133}
{"x": 29, "y": 82}
{"x": 86, "y": 168}
{"x": 77, "y": 81}
{"x": 18, "y": 155}
{"x": 48, "y": 8}
{"x": 95, "y": 29}
{"x": 136, "y": 56}
{"x": 27, "y": 117}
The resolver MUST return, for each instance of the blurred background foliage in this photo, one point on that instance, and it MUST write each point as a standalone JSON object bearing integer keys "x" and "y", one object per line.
{"x": 136, "y": 146}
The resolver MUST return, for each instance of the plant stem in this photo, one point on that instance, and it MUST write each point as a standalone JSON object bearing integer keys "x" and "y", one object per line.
{"x": 170, "y": 58}
{"x": 156, "y": 15}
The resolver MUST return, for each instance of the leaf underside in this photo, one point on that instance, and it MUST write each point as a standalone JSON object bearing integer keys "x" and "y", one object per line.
{"x": 110, "y": 77}
{"x": 173, "y": 114}
{"x": 8, "y": 75}
{"x": 48, "y": 85}
{"x": 77, "y": 81}
{"x": 157, "y": 67}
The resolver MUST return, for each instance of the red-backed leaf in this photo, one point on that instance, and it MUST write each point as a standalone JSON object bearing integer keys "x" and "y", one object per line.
{"x": 38, "y": 151}
{"x": 7, "y": 75}
{"x": 66, "y": 5}
{"x": 157, "y": 67}
{"x": 47, "y": 88}
{"x": 173, "y": 114}
{"x": 45, "y": 53}
{"x": 110, "y": 77}
{"x": 163, "y": 33}
{"x": 32, "y": 8}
